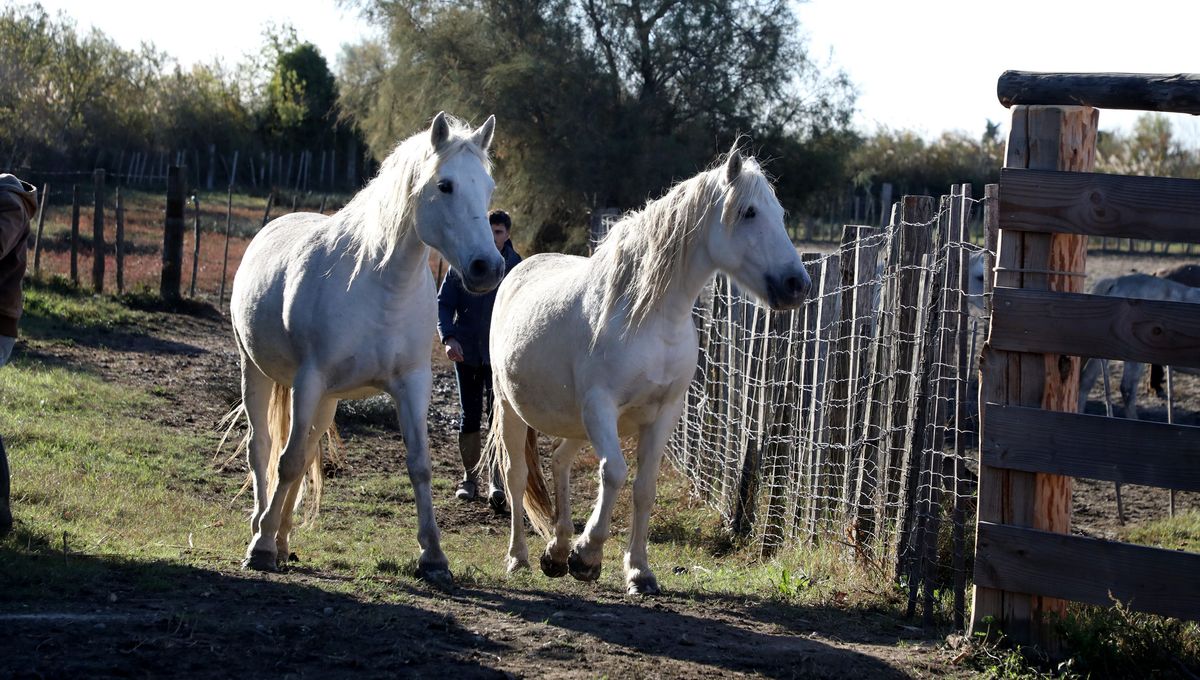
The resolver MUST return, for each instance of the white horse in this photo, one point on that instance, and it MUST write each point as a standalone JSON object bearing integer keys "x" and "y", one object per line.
{"x": 342, "y": 307}
{"x": 1144, "y": 287}
{"x": 594, "y": 349}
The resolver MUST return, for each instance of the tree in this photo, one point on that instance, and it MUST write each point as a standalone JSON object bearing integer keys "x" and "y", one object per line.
{"x": 301, "y": 98}
{"x": 599, "y": 103}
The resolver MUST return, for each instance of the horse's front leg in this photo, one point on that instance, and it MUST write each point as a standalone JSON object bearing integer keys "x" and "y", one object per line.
{"x": 600, "y": 421}
{"x": 412, "y": 393}
{"x": 554, "y": 560}
{"x": 1130, "y": 378}
{"x": 652, "y": 442}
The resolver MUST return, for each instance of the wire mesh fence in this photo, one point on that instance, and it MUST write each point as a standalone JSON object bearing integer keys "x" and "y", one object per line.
{"x": 851, "y": 419}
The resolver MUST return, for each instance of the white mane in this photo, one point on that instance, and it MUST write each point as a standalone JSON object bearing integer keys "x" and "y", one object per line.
{"x": 380, "y": 215}
{"x": 643, "y": 252}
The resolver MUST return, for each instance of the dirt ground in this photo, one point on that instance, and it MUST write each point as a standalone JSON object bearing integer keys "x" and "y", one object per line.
{"x": 219, "y": 621}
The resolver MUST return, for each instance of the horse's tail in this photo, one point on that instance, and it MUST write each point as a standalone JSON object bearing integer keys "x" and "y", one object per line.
{"x": 278, "y": 425}
{"x": 538, "y": 504}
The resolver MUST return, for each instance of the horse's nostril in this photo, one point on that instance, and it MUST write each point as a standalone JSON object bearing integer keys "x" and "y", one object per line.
{"x": 479, "y": 268}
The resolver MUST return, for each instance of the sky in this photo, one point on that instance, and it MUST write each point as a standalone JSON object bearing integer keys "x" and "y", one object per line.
{"x": 924, "y": 65}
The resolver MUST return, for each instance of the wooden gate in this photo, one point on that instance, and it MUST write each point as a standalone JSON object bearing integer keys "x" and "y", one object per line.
{"x": 1033, "y": 443}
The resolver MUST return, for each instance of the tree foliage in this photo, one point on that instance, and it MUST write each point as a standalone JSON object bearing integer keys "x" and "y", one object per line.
{"x": 600, "y": 102}
{"x": 66, "y": 97}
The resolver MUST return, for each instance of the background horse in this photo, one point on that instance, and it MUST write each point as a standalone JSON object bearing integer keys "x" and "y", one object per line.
{"x": 593, "y": 349}
{"x": 1145, "y": 287}
{"x": 342, "y": 307}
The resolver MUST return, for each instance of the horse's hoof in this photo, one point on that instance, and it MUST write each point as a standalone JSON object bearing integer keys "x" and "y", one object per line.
{"x": 496, "y": 501}
{"x": 645, "y": 586}
{"x": 581, "y": 570}
{"x": 260, "y": 560}
{"x": 515, "y": 565}
{"x": 551, "y": 568}
{"x": 438, "y": 577}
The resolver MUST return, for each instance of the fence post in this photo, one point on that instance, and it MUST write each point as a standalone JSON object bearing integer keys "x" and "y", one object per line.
{"x": 195, "y": 244}
{"x": 120, "y": 243}
{"x": 1043, "y": 138}
{"x": 75, "y": 234}
{"x": 37, "y": 241}
{"x": 172, "y": 268}
{"x": 225, "y": 259}
{"x": 267, "y": 211}
{"x": 98, "y": 231}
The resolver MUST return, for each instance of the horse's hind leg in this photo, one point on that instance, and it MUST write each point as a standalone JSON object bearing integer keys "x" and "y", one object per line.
{"x": 256, "y": 398}
{"x": 321, "y": 422}
{"x": 600, "y": 420}
{"x": 307, "y": 394}
{"x": 514, "y": 431}
{"x": 554, "y": 560}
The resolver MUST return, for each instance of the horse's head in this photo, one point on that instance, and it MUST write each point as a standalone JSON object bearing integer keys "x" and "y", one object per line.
{"x": 452, "y": 200}
{"x": 747, "y": 238}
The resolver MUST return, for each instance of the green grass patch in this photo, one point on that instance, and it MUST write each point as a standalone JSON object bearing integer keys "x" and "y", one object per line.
{"x": 55, "y": 307}
{"x": 1181, "y": 532}
{"x": 86, "y": 465}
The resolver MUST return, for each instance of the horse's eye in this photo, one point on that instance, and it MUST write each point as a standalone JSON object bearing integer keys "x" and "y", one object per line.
{"x": 445, "y": 186}
{"x": 749, "y": 214}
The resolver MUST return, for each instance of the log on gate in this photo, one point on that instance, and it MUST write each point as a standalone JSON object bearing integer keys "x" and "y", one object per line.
{"x": 1177, "y": 92}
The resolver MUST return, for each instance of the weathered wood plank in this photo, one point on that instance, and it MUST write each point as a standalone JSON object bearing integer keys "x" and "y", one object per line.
{"x": 1015, "y": 559}
{"x": 1098, "y": 326}
{"x": 1095, "y": 447}
{"x": 1175, "y": 92}
{"x": 1115, "y": 206}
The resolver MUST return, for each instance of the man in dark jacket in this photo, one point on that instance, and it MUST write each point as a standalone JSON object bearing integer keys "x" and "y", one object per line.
{"x": 18, "y": 202}
{"x": 463, "y": 323}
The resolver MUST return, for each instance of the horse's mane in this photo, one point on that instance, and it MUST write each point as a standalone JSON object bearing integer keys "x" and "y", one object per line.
{"x": 383, "y": 212}
{"x": 644, "y": 251}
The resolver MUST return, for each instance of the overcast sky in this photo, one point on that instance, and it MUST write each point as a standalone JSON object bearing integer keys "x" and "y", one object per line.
{"x": 926, "y": 65}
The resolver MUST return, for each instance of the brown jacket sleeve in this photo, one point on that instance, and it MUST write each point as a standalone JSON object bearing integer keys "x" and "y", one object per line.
{"x": 17, "y": 204}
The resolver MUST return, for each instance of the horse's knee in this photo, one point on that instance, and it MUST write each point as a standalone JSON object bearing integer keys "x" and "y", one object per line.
{"x": 419, "y": 469}
{"x": 613, "y": 472}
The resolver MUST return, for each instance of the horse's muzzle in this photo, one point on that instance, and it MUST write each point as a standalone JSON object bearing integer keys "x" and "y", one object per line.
{"x": 789, "y": 291}
{"x": 483, "y": 274}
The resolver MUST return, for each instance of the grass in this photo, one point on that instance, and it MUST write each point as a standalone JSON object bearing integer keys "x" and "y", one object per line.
{"x": 1181, "y": 532}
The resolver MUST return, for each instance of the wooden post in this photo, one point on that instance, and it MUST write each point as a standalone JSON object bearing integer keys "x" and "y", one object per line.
{"x": 1044, "y": 138}
{"x": 195, "y": 244}
{"x": 212, "y": 165}
{"x": 172, "y": 268}
{"x": 75, "y": 234}
{"x": 267, "y": 210}
{"x": 233, "y": 169}
{"x": 98, "y": 232}
{"x": 225, "y": 258}
{"x": 120, "y": 243}
{"x": 37, "y": 241}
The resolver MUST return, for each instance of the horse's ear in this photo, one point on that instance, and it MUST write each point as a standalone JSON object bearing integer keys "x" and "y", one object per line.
{"x": 733, "y": 166}
{"x": 483, "y": 136}
{"x": 439, "y": 131}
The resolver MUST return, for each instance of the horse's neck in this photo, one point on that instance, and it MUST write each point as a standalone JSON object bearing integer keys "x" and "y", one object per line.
{"x": 686, "y": 286}
{"x": 408, "y": 264}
